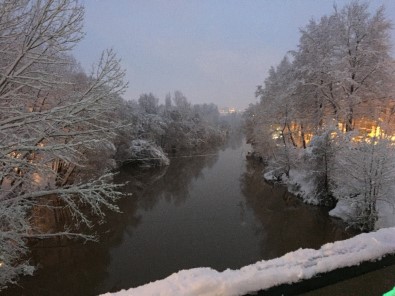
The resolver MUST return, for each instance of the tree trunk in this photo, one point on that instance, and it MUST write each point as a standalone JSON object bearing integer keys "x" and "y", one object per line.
{"x": 349, "y": 120}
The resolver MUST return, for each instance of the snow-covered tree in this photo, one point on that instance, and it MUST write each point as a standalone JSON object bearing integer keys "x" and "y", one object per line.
{"x": 318, "y": 163}
{"x": 175, "y": 126}
{"x": 277, "y": 115}
{"x": 344, "y": 64}
{"x": 48, "y": 122}
{"x": 318, "y": 111}
{"x": 362, "y": 59}
{"x": 149, "y": 103}
{"x": 313, "y": 63}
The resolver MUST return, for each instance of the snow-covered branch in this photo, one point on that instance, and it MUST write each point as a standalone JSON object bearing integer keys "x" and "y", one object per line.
{"x": 51, "y": 114}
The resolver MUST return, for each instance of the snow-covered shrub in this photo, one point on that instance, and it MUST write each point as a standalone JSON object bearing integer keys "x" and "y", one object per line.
{"x": 279, "y": 166}
{"x": 147, "y": 154}
{"x": 317, "y": 162}
{"x": 364, "y": 174}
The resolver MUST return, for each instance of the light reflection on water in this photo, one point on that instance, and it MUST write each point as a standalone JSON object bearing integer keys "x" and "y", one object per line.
{"x": 213, "y": 211}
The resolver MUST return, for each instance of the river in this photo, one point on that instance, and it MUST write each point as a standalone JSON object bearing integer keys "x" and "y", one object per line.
{"x": 210, "y": 210}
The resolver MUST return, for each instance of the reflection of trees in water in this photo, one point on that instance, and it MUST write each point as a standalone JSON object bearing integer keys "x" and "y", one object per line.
{"x": 69, "y": 267}
{"x": 235, "y": 139}
{"x": 172, "y": 183}
{"x": 286, "y": 223}
{"x": 73, "y": 268}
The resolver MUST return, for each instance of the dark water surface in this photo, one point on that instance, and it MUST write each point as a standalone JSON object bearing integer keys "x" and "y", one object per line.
{"x": 213, "y": 211}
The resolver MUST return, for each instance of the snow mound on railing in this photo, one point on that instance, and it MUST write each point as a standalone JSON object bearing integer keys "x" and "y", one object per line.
{"x": 290, "y": 268}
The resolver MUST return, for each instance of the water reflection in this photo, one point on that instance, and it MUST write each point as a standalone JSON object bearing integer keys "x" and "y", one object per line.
{"x": 171, "y": 184}
{"x": 285, "y": 223}
{"x": 74, "y": 268}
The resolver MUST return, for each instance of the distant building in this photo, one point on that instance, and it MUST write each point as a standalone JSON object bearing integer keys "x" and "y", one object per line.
{"x": 227, "y": 110}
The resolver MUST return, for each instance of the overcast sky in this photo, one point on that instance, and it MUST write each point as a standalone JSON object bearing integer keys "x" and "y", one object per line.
{"x": 212, "y": 50}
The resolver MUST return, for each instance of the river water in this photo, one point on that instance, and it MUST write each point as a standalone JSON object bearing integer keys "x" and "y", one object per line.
{"x": 210, "y": 210}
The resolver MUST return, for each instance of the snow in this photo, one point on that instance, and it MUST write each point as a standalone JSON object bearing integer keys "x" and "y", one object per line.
{"x": 302, "y": 186}
{"x": 386, "y": 210}
{"x": 147, "y": 154}
{"x": 290, "y": 268}
{"x": 345, "y": 209}
{"x": 269, "y": 176}
{"x": 297, "y": 184}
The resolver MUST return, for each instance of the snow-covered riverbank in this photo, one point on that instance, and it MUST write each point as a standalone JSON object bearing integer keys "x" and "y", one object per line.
{"x": 291, "y": 268}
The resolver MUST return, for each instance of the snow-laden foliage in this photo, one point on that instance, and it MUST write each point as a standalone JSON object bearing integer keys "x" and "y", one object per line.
{"x": 52, "y": 116}
{"x": 328, "y": 109}
{"x": 176, "y": 126}
{"x": 189, "y": 126}
{"x": 146, "y": 154}
{"x": 317, "y": 164}
{"x": 364, "y": 174}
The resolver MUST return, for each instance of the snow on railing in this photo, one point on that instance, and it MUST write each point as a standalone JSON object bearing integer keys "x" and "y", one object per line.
{"x": 290, "y": 268}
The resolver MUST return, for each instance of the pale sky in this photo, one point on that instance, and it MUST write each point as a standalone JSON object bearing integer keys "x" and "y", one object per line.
{"x": 212, "y": 50}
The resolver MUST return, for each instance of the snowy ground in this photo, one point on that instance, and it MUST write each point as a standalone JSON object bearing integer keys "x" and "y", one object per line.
{"x": 345, "y": 210}
{"x": 290, "y": 268}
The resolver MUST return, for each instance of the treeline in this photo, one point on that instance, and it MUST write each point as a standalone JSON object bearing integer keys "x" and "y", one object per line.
{"x": 177, "y": 126}
{"x": 324, "y": 123}
{"x": 62, "y": 130}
